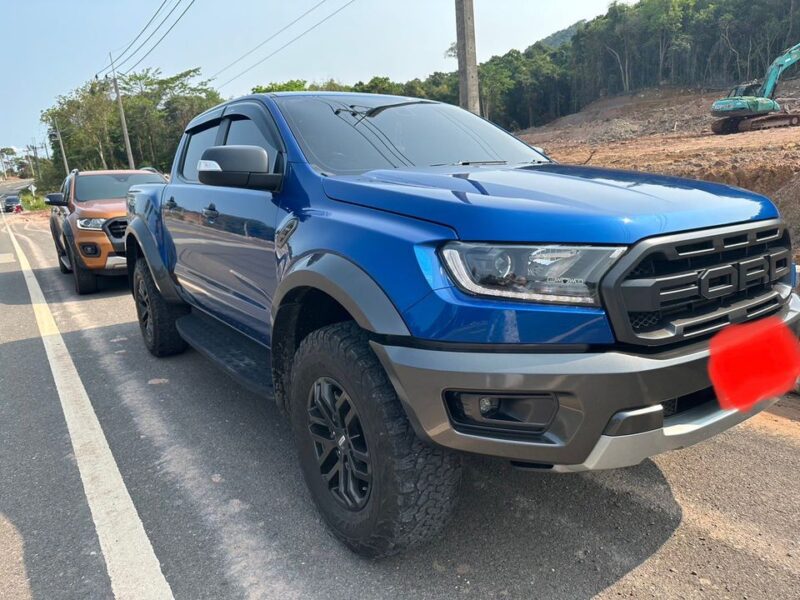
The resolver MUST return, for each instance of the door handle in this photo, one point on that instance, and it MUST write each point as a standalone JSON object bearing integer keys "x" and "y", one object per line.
{"x": 171, "y": 204}
{"x": 210, "y": 212}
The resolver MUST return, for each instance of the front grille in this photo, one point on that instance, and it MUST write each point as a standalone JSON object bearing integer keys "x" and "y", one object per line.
{"x": 682, "y": 287}
{"x": 116, "y": 228}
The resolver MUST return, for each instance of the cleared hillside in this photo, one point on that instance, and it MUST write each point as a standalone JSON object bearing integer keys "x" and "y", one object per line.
{"x": 668, "y": 131}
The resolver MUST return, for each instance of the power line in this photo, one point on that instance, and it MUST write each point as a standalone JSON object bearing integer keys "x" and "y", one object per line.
{"x": 163, "y": 36}
{"x": 309, "y": 30}
{"x": 155, "y": 14}
{"x": 273, "y": 36}
{"x": 149, "y": 37}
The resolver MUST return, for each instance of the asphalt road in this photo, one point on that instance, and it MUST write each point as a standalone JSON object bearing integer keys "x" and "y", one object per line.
{"x": 211, "y": 472}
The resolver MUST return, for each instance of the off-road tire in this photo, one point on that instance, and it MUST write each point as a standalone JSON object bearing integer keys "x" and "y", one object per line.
{"x": 156, "y": 316}
{"x": 414, "y": 485}
{"x": 85, "y": 281}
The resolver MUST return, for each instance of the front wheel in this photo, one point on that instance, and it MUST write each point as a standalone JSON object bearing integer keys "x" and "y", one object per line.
{"x": 378, "y": 487}
{"x": 85, "y": 280}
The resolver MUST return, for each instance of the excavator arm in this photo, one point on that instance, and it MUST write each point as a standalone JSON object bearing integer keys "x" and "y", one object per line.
{"x": 776, "y": 69}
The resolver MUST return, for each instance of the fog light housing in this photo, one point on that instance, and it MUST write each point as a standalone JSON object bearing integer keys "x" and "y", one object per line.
{"x": 90, "y": 250}
{"x": 501, "y": 414}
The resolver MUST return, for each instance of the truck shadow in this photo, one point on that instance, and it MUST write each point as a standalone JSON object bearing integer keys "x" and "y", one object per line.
{"x": 523, "y": 535}
{"x": 514, "y": 534}
{"x": 787, "y": 407}
{"x": 47, "y": 277}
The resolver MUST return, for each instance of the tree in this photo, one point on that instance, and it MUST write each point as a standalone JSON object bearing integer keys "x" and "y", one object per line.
{"x": 157, "y": 109}
{"x": 293, "y": 85}
{"x": 7, "y": 159}
{"x": 379, "y": 85}
{"x": 495, "y": 81}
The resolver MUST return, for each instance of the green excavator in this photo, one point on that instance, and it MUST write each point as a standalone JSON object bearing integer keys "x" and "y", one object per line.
{"x": 752, "y": 106}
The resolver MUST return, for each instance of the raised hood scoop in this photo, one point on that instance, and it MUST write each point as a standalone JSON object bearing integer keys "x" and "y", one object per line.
{"x": 551, "y": 202}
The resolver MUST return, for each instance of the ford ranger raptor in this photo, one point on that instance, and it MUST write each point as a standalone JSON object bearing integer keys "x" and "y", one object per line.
{"x": 411, "y": 283}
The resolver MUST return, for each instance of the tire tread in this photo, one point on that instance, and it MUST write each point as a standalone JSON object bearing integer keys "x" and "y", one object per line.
{"x": 427, "y": 477}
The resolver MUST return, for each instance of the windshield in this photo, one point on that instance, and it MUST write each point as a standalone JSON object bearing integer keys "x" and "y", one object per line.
{"x": 354, "y": 134}
{"x": 107, "y": 187}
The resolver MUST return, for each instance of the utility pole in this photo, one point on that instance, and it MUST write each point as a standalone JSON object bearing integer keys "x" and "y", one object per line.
{"x": 122, "y": 116}
{"x": 30, "y": 164}
{"x": 35, "y": 159}
{"x": 467, "y": 62}
{"x": 61, "y": 145}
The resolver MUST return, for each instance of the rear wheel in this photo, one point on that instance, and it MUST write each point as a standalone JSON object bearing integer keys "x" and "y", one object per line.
{"x": 85, "y": 280}
{"x": 157, "y": 317}
{"x": 379, "y": 488}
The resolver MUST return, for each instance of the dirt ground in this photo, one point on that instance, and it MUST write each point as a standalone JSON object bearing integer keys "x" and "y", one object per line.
{"x": 668, "y": 131}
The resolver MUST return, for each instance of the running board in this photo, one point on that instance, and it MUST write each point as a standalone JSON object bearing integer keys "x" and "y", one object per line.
{"x": 240, "y": 357}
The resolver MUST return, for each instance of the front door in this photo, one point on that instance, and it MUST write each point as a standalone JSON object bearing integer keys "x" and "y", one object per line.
{"x": 182, "y": 212}
{"x": 225, "y": 253}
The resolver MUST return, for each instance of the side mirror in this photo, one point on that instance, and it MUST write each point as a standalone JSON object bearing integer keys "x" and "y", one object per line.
{"x": 56, "y": 199}
{"x": 238, "y": 166}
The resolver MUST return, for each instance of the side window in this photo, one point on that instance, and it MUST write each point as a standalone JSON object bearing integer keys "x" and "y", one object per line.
{"x": 199, "y": 141}
{"x": 244, "y": 132}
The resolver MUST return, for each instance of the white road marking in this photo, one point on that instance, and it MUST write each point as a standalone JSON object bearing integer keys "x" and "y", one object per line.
{"x": 132, "y": 565}
{"x": 7, "y": 257}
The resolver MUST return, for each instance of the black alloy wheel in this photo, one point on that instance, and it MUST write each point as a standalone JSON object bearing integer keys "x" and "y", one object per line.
{"x": 340, "y": 445}
{"x": 145, "y": 313}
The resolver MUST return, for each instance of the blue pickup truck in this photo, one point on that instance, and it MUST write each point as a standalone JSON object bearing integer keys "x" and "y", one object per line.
{"x": 410, "y": 283}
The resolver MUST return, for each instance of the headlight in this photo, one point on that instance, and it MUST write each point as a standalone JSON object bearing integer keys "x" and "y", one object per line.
{"x": 551, "y": 273}
{"x": 91, "y": 223}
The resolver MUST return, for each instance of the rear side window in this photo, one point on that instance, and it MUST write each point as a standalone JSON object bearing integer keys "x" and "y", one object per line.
{"x": 199, "y": 141}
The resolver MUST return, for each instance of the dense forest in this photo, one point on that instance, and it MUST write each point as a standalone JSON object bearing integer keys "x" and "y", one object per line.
{"x": 699, "y": 43}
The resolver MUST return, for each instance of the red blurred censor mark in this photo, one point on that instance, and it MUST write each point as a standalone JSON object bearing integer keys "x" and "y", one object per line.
{"x": 752, "y": 362}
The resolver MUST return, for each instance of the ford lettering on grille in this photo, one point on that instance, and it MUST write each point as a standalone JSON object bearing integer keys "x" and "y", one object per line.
{"x": 683, "y": 286}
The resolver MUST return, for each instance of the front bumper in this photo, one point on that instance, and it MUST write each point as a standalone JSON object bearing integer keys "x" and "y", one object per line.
{"x": 596, "y": 392}
{"x": 109, "y": 258}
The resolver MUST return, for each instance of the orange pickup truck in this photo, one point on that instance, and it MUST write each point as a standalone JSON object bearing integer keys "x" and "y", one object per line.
{"x": 88, "y": 221}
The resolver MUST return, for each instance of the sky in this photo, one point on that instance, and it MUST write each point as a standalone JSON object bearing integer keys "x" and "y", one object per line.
{"x": 53, "y": 46}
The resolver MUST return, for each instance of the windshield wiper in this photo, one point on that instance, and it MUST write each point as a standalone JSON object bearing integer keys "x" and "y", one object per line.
{"x": 463, "y": 163}
{"x": 376, "y": 110}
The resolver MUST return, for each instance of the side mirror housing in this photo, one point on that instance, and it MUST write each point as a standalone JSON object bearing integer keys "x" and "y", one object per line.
{"x": 239, "y": 167}
{"x": 55, "y": 199}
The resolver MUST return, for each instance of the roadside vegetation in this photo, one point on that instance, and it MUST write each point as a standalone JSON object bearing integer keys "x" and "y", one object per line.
{"x": 32, "y": 202}
{"x": 655, "y": 43}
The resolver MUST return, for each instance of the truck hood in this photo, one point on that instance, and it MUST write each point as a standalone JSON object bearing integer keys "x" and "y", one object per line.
{"x": 101, "y": 209}
{"x": 551, "y": 202}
